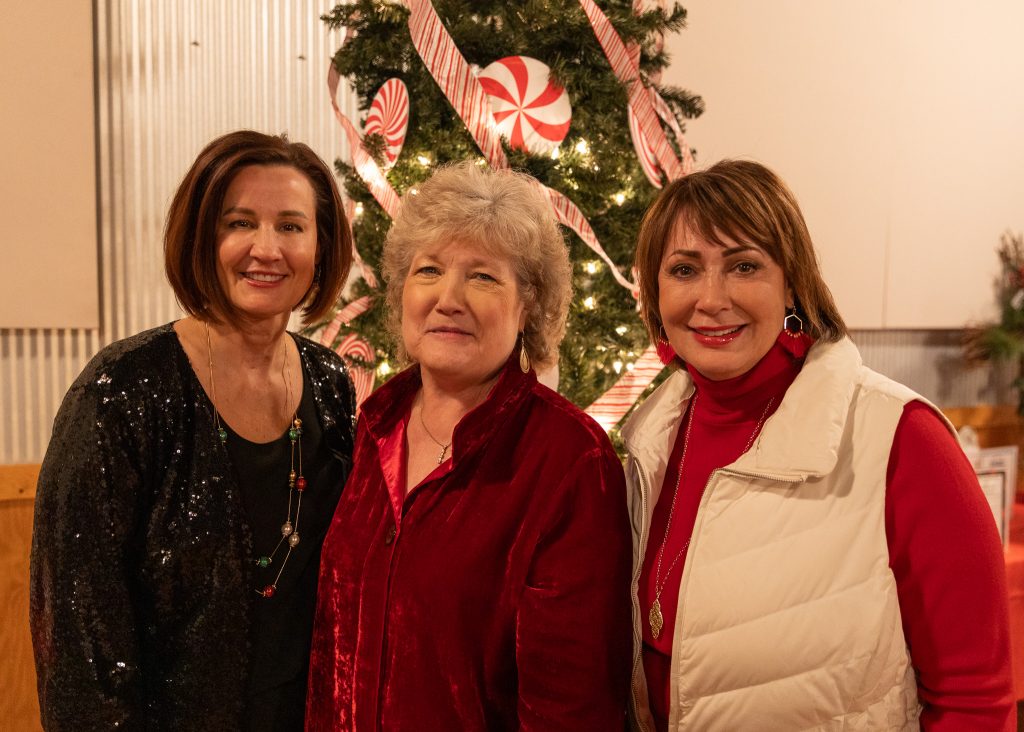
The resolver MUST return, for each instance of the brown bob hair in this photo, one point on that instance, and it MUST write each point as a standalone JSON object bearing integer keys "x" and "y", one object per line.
{"x": 746, "y": 202}
{"x": 190, "y": 236}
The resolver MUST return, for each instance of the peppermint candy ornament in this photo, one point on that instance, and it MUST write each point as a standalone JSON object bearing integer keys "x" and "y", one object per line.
{"x": 648, "y": 161}
{"x": 389, "y": 117}
{"x": 532, "y": 111}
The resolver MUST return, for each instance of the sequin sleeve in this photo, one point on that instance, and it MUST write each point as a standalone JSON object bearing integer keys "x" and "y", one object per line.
{"x": 82, "y": 611}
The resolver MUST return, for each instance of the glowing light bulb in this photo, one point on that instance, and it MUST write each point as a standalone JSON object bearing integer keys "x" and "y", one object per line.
{"x": 589, "y": 303}
{"x": 414, "y": 191}
{"x": 590, "y": 267}
{"x": 630, "y": 366}
{"x": 359, "y": 209}
{"x": 620, "y": 198}
{"x": 617, "y": 365}
{"x": 555, "y": 154}
{"x": 384, "y": 368}
{"x": 582, "y": 147}
{"x": 621, "y": 330}
{"x": 423, "y": 160}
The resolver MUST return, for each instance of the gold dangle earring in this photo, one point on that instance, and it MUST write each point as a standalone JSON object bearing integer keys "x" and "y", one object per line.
{"x": 524, "y": 357}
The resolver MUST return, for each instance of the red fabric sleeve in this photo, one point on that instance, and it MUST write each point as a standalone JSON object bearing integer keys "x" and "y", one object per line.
{"x": 945, "y": 553}
{"x": 573, "y": 628}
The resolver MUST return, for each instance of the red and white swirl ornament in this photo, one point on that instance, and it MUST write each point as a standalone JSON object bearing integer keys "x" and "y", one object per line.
{"x": 389, "y": 118}
{"x": 532, "y": 111}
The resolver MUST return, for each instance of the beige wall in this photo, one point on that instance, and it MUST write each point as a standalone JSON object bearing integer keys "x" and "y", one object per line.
{"x": 899, "y": 125}
{"x": 48, "y": 181}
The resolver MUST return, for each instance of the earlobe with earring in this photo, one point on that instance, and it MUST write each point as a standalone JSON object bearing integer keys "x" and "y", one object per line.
{"x": 666, "y": 354}
{"x": 524, "y": 357}
{"x": 794, "y": 337}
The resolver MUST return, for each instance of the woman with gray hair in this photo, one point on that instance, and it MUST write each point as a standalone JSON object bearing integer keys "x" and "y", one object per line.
{"x": 476, "y": 575}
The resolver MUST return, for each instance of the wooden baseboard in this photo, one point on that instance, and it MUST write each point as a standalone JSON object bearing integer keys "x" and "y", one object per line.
{"x": 19, "y": 708}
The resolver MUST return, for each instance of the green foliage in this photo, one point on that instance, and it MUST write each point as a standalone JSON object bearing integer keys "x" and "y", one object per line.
{"x": 596, "y": 168}
{"x": 1004, "y": 341}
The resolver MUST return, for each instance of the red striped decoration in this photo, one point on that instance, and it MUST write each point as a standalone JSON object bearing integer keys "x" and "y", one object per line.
{"x": 627, "y": 71}
{"x": 367, "y": 168}
{"x": 612, "y": 406}
{"x": 389, "y": 117}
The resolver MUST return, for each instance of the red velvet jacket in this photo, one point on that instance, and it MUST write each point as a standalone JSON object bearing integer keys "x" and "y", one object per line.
{"x": 497, "y": 595}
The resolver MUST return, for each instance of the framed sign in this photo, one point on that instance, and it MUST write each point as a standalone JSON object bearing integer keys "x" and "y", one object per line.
{"x": 997, "y": 473}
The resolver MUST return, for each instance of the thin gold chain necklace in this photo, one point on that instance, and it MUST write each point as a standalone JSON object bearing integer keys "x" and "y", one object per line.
{"x": 296, "y": 481}
{"x": 444, "y": 448}
{"x": 654, "y": 617}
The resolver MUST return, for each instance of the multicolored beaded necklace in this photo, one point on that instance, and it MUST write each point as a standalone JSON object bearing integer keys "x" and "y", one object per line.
{"x": 296, "y": 481}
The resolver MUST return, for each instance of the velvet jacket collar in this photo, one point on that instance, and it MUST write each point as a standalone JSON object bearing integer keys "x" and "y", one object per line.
{"x": 383, "y": 409}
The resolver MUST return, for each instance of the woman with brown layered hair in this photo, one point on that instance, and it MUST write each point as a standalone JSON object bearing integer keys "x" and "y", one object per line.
{"x": 811, "y": 547}
{"x": 194, "y": 468}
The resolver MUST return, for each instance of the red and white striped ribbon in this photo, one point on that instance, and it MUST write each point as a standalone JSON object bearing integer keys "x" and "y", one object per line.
{"x": 368, "y": 170}
{"x": 626, "y": 66}
{"x": 569, "y": 214}
{"x": 614, "y": 403}
{"x": 454, "y": 75}
{"x": 343, "y": 317}
{"x": 366, "y": 270}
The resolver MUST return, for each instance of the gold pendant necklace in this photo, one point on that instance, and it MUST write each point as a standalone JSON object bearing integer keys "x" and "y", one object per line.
{"x": 444, "y": 448}
{"x": 654, "y": 617}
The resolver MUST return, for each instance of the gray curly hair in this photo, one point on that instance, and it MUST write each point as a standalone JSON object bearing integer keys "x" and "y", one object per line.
{"x": 504, "y": 212}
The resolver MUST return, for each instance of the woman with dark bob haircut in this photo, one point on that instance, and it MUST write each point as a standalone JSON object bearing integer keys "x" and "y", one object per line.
{"x": 194, "y": 468}
{"x": 812, "y": 550}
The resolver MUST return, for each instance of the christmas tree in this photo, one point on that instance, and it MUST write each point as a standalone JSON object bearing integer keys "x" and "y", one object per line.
{"x": 596, "y": 165}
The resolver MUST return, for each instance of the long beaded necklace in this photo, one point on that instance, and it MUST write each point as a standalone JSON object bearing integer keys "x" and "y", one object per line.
{"x": 296, "y": 481}
{"x": 654, "y": 617}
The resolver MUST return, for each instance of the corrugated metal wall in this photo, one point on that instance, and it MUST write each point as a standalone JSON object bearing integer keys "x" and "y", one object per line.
{"x": 170, "y": 77}
{"x": 173, "y": 75}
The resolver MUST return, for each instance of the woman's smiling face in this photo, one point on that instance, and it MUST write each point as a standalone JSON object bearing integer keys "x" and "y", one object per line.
{"x": 722, "y": 305}
{"x": 461, "y": 312}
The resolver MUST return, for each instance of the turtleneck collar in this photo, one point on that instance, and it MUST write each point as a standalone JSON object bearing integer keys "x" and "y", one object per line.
{"x": 743, "y": 397}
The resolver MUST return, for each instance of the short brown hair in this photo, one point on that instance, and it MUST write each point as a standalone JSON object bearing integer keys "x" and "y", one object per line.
{"x": 502, "y": 211}
{"x": 190, "y": 237}
{"x": 748, "y": 203}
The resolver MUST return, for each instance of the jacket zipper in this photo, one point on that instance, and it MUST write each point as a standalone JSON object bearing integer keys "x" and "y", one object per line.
{"x": 638, "y": 634}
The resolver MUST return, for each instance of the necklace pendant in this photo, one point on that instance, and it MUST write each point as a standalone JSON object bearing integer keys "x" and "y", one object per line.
{"x": 440, "y": 458}
{"x": 655, "y": 618}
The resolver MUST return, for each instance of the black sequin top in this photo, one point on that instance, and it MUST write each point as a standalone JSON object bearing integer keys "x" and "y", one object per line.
{"x": 142, "y": 586}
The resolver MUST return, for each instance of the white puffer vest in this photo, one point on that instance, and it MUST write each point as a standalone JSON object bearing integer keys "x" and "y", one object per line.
{"x": 788, "y": 616}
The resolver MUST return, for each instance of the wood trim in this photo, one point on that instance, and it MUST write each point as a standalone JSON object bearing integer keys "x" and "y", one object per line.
{"x": 18, "y": 482}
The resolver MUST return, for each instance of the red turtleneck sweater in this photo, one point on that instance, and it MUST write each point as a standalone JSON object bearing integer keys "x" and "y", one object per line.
{"x": 943, "y": 549}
